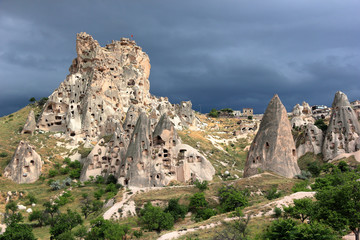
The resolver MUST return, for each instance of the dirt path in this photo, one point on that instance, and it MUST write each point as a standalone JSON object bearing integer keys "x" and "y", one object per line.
{"x": 279, "y": 203}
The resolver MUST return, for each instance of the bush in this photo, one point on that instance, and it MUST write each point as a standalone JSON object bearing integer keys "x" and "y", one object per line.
{"x": 18, "y": 231}
{"x": 106, "y": 229}
{"x": 111, "y": 179}
{"x": 31, "y": 199}
{"x": 138, "y": 234}
{"x": 231, "y": 198}
{"x": 304, "y": 175}
{"x": 214, "y": 113}
{"x": 3, "y": 154}
{"x": 321, "y": 124}
{"x": 199, "y": 206}
{"x": 314, "y": 168}
{"x": 75, "y": 173}
{"x": 154, "y": 218}
{"x": 42, "y": 101}
{"x": 273, "y": 193}
{"x": 277, "y": 212}
{"x": 55, "y": 185}
{"x": 99, "y": 179}
{"x": 64, "y": 223}
{"x": 175, "y": 209}
{"x": 52, "y": 173}
{"x": 250, "y": 117}
{"x": 301, "y": 187}
{"x": 343, "y": 166}
{"x": 202, "y": 186}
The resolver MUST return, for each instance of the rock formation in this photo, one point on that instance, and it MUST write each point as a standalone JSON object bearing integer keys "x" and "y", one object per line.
{"x": 301, "y": 115}
{"x": 102, "y": 84}
{"x": 311, "y": 140}
{"x": 343, "y": 129}
{"x": 149, "y": 157}
{"x": 273, "y": 148}
{"x": 25, "y": 166}
{"x": 30, "y": 124}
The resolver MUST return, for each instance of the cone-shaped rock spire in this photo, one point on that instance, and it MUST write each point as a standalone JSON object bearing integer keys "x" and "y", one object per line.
{"x": 273, "y": 148}
{"x": 343, "y": 129}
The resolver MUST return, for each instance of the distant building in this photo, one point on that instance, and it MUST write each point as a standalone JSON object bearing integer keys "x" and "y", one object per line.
{"x": 356, "y": 106}
{"x": 237, "y": 113}
{"x": 248, "y": 112}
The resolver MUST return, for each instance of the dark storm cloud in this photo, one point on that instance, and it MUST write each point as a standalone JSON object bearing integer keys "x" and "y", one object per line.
{"x": 217, "y": 54}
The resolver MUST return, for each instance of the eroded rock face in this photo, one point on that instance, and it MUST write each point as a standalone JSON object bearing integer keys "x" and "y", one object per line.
{"x": 301, "y": 115}
{"x": 273, "y": 148}
{"x": 343, "y": 129}
{"x": 30, "y": 124}
{"x": 25, "y": 166}
{"x": 103, "y": 83}
{"x": 312, "y": 140}
{"x": 149, "y": 157}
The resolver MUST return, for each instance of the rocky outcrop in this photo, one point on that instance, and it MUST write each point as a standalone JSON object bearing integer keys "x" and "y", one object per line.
{"x": 149, "y": 157}
{"x": 25, "y": 166}
{"x": 311, "y": 140}
{"x": 343, "y": 130}
{"x": 103, "y": 83}
{"x": 301, "y": 115}
{"x": 30, "y": 124}
{"x": 273, "y": 148}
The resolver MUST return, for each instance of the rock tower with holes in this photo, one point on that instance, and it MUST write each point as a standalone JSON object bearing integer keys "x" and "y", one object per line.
{"x": 273, "y": 148}
{"x": 342, "y": 135}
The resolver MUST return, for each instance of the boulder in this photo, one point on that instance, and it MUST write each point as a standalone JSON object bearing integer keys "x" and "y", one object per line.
{"x": 343, "y": 130}
{"x": 25, "y": 166}
{"x": 273, "y": 148}
{"x": 30, "y": 124}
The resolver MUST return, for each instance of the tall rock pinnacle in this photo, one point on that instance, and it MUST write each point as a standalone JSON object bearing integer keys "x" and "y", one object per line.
{"x": 343, "y": 130}
{"x": 273, "y": 148}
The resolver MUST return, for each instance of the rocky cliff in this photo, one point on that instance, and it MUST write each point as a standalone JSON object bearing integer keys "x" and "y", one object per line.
{"x": 273, "y": 148}
{"x": 103, "y": 83}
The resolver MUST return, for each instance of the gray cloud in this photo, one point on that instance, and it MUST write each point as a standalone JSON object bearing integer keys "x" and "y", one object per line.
{"x": 217, "y": 54}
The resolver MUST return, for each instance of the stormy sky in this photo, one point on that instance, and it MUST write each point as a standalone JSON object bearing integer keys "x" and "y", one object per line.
{"x": 218, "y": 54}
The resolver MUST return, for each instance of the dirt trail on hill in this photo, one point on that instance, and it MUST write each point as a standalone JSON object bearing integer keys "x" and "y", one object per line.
{"x": 279, "y": 203}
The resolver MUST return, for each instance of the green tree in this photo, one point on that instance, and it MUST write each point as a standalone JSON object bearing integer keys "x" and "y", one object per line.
{"x": 175, "y": 209}
{"x": 52, "y": 210}
{"x": 339, "y": 206}
{"x": 315, "y": 231}
{"x": 154, "y": 218}
{"x": 106, "y": 229}
{"x": 235, "y": 230}
{"x": 39, "y": 216}
{"x": 200, "y": 207}
{"x": 302, "y": 209}
{"x": 231, "y": 198}
{"x": 11, "y": 215}
{"x": 42, "y": 101}
{"x": 281, "y": 229}
{"x": 64, "y": 222}
{"x": 273, "y": 193}
{"x": 32, "y": 100}
{"x": 18, "y": 231}
{"x": 214, "y": 113}
{"x": 89, "y": 206}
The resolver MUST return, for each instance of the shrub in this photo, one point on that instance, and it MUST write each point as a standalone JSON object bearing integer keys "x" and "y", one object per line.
{"x": 175, "y": 209}
{"x": 3, "y": 154}
{"x": 154, "y": 218}
{"x": 55, "y": 185}
{"x": 231, "y": 198}
{"x": 199, "y": 206}
{"x": 343, "y": 166}
{"x": 273, "y": 193}
{"x": 250, "y": 117}
{"x": 111, "y": 179}
{"x": 301, "y": 187}
{"x": 42, "y": 101}
{"x": 52, "y": 173}
{"x": 202, "y": 186}
{"x": 213, "y": 113}
{"x": 314, "y": 168}
{"x": 321, "y": 124}
{"x": 304, "y": 175}
{"x": 277, "y": 212}
{"x": 138, "y": 234}
{"x": 99, "y": 179}
{"x": 31, "y": 199}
